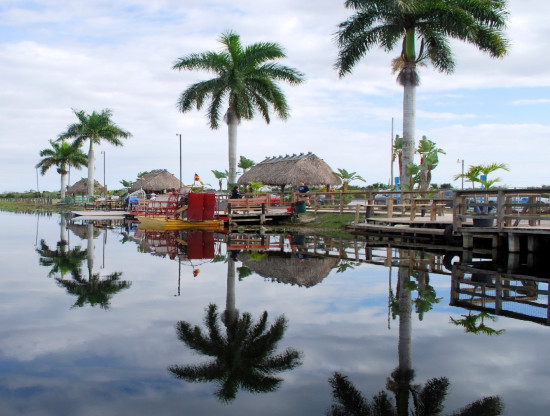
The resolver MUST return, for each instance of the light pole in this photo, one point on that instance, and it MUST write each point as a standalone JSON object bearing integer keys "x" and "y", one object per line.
{"x": 177, "y": 134}
{"x": 104, "y": 187}
{"x": 459, "y": 161}
{"x": 37, "y": 188}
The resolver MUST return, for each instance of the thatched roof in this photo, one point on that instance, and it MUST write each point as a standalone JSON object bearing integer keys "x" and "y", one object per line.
{"x": 81, "y": 187}
{"x": 158, "y": 180}
{"x": 289, "y": 268}
{"x": 291, "y": 170}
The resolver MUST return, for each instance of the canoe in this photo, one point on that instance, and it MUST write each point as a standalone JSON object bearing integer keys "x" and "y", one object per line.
{"x": 158, "y": 223}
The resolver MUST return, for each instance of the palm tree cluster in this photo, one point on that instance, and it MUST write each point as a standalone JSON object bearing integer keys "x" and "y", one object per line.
{"x": 94, "y": 128}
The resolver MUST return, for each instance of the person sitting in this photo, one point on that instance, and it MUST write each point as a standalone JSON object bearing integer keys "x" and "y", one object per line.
{"x": 235, "y": 193}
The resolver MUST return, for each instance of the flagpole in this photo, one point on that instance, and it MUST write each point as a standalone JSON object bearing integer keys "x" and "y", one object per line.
{"x": 177, "y": 134}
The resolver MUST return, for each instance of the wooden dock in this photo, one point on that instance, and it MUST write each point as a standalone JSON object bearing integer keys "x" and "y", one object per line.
{"x": 506, "y": 220}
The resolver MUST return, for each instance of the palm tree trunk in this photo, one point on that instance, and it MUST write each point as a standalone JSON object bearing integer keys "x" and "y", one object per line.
{"x": 404, "y": 377}
{"x": 91, "y": 169}
{"x": 63, "y": 183}
{"x": 90, "y": 249}
{"x": 232, "y": 123}
{"x": 409, "y": 125}
{"x": 230, "y": 310}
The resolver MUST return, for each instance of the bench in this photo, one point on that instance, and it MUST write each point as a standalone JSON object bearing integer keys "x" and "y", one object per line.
{"x": 247, "y": 205}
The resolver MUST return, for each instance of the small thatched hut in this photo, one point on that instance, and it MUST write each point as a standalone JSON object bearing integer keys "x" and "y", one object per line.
{"x": 81, "y": 188}
{"x": 291, "y": 170}
{"x": 289, "y": 268}
{"x": 159, "y": 180}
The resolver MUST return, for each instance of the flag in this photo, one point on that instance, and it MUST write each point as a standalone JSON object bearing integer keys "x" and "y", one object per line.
{"x": 197, "y": 178}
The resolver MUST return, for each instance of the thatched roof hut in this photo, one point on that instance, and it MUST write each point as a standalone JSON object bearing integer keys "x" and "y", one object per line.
{"x": 291, "y": 170}
{"x": 290, "y": 268}
{"x": 81, "y": 188}
{"x": 159, "y": 180}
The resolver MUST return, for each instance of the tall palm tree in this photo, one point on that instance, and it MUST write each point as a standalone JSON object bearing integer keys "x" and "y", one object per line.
{"x": 431, "y": 23}
{"x": 244, "y": 357}
{"x": 94, "y": 127}
{"x": 61, "y": 155}
{"x": 245, "y": 79}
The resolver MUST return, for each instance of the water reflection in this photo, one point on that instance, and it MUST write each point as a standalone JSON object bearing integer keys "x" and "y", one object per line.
{"x": 93, "y": 290}
{"x": 426, "y": 400}
{"x": 243, "y": 358}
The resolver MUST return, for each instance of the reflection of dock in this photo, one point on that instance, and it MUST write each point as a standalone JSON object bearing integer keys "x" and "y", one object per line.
{"x": 517, "y": 296}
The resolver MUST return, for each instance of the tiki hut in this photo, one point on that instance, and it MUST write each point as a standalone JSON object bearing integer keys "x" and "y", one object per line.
{"x": 81, "y": 188}
{"x": 159, "y": 180}
{"x": 291, "y": 170}
{"x": 289, "y": 268}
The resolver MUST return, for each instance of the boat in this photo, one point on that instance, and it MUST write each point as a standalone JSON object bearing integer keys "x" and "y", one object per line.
{"x": 197, "y": 209}
{"x": 98, "y": 213}
{"x": 163, "y": 223}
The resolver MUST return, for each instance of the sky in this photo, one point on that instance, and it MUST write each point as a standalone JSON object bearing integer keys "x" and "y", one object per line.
{"x": 56, "y": 56}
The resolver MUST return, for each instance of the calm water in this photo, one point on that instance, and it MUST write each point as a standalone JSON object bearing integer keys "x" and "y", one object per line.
{"x": 68, "y": 347}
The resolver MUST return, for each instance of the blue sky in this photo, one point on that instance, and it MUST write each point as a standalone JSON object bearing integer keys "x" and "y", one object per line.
{"x": 118, "y": 54}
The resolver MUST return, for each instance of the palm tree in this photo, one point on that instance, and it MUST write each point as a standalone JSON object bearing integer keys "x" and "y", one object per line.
{"x": 220, "y": 176}
{"x": 429, "y": 159}
{"x": 347, "y": 177}
{"x": 245, "y": 78}
{"x": 94, "y": 127}
{"x": 61, "y": 155}
{"x": 244, "y": 357}
{"x": 245, "y": 163}
{"x": 432, "y": 23}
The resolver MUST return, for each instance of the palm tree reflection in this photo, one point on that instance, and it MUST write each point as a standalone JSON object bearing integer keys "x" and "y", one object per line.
{"x": 93, "y": 290}
{"x": 242, "y": 358}
{"x": 61, "y": 260}
{"x": 426, "y": 400}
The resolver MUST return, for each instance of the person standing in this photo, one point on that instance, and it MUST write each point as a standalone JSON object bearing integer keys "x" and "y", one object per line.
{"x": 303, "y": 191}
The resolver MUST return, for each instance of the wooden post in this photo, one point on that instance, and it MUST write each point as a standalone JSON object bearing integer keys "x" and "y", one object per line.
{"x": 433, "y": 210}
{"x": 468, "y": 241}
{"x": 513, "y": 243}
{"x": 357, "y": 207}
{"x": 389, "y": 207}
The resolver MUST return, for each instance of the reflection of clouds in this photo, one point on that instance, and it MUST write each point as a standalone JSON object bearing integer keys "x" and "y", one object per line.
{"x": 114, "y": 361}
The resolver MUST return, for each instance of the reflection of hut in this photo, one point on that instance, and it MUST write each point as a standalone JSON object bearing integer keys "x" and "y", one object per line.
{"x": 159, "y": 180}
{"x": 291, "y": 170}
{"x": 289, "y": 268}
{"x": 81, "y": 188}
{"x": 81, "y": 230}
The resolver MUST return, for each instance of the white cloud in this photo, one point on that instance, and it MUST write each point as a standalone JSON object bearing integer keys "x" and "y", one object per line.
{"x": 118, "y": 54}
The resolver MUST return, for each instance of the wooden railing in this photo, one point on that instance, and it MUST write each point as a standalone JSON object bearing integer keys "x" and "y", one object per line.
{"x": 501, "y": 209}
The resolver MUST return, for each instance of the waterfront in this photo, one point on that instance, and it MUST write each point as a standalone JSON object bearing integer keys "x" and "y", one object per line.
{"x": 62, "y": 356}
